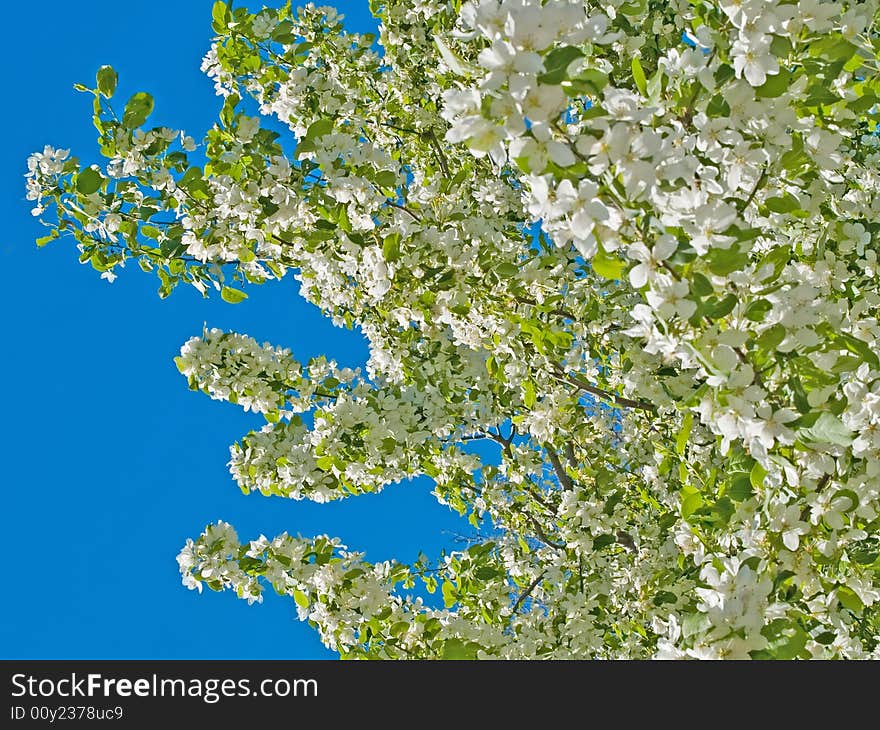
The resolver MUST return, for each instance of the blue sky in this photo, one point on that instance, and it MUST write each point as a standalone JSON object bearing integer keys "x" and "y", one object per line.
{"x": 111, "y": 461}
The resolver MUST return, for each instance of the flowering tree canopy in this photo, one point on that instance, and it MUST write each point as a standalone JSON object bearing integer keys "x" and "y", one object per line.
{"x": 634, "y": 244}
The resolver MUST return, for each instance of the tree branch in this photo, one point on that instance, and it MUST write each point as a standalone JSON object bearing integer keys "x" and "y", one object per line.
{"x": 569, "y": 454}
{"x": 415, "y": 216}
{"x": 526, "y": 593}
{"x": 441, "y": 158}
{"x": 618, "y": 399}
{"x": 540, "y": 531}
{"x": 761, "y": 178}
{"x": 564, "y": 478}
{"x": 558, "y": 311}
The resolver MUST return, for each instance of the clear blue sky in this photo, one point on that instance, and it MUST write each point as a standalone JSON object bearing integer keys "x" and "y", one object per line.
{"x": 111, "y": 462}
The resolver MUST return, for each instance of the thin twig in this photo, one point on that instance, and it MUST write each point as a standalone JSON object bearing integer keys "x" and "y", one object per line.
{"x": 526, "y": 593}
{"x": 441, "y": 158}
{"x": 531, "y": 302}
{"x": 761, "y": 178}
{"x": 619, "y": 399}
{"x": 569, "y": 454}
{"x": 541, "y": 534}
{"x": 415, "y": 216}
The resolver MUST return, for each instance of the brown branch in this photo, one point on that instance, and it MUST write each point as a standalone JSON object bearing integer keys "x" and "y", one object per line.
{"x": 395, "y": 127}
{"x": 618, "y": 399}
{"x": 564, "y": 478}
{"x": 687, "y": 116}
{"x": 558, "y": 311}
{"x": 540, "y": 531}
{"x": 761, "y": 178}
{"x": 540, "y": 500}
{"x": 415, "y": 216}
{"x": 505, "y": 442}
{"x": 569, "y": 454}
{"x": 625, "y": 539}
{"x": 441, "y": 158}
{"x": 526, "y": 593}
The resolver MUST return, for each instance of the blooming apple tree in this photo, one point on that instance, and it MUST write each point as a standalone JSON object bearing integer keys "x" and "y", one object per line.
{"x": 634, "y": 244}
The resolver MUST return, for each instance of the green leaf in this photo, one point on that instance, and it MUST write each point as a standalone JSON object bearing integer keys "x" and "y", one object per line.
{"x": 284, "y": 33}
{"x": 506, "y": 269}
{"x": 529, "y": 397}
{"x": 757, "y": 310}
{"x": 724, "y": 261}
{"x": 456, "y": 649}
{"x": 589, "y": 81}
{"x": 88, "y": 181}
{"x": 233, "y": 296}
{"x": 193, "y": 182}
{"x": 316, "y": 130}
{"x": 771, "y": 337}
{"x": 780, "y": 46}
{"x": 686, "y": 424}
{"x": 695, "y": 623}
{"x": 301, "y": 599}
{"x": 786, "y": 639}
{"x": 777, "y": 258}
{"x": 325, "y": 463}
{"x": 700, "y": 285}
{"x": 634, "y": 7}
{"x": 449, "y": 593}
{"x": 43, "y": 240}
{"x": 665, "y": 597}
{"x": 722, "y": 307}
{"x": 783, "y": 204}
{"x": 850, "y": 599}
{"x": 107, "y": 78}
{"x": 826, "y": 637}
{"x": 864, "y": 557}
{"x": 690, "y": 504}
{"x": 487, "y": 573}
{"x": 391, "y": 247}
{"x": 833, "y": 47}
{"x": 639, "y": 76}
{"x": 386, "y": 179}
{"x": 860, "y": 348}
{"x": 740, "y": 488}
{"x": 556, "y": 64}
{"x": 774, "y": 85}
{"x": 828, "y": 429}
{"x": 227, "y": 111}
{"x": 399, "y": 628}
{"x": 221, "y": 16}
{"x": 820, "y": 95}
{"x": 655, "y": 86}
{"x": 456, "y": 65}
{"x": 137, "y": 110}
{"x": 863, "y": 103}
{"x": 724, "y": 73}
{"x": 756, "y": 476}
{"x": 608, "y": 266}
{"x": 718, "y": 107}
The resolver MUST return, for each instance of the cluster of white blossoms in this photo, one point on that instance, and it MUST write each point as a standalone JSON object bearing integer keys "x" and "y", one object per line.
{"x": 632, "y": 244}
{"x": 233, "y": 367}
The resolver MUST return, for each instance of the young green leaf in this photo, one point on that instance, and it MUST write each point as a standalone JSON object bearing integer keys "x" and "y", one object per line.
{"x": 233, "y": 296}
{"x": 639, "y": 76}
{"x": 107, "y": 78}
{"x": 138, "y": 108}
